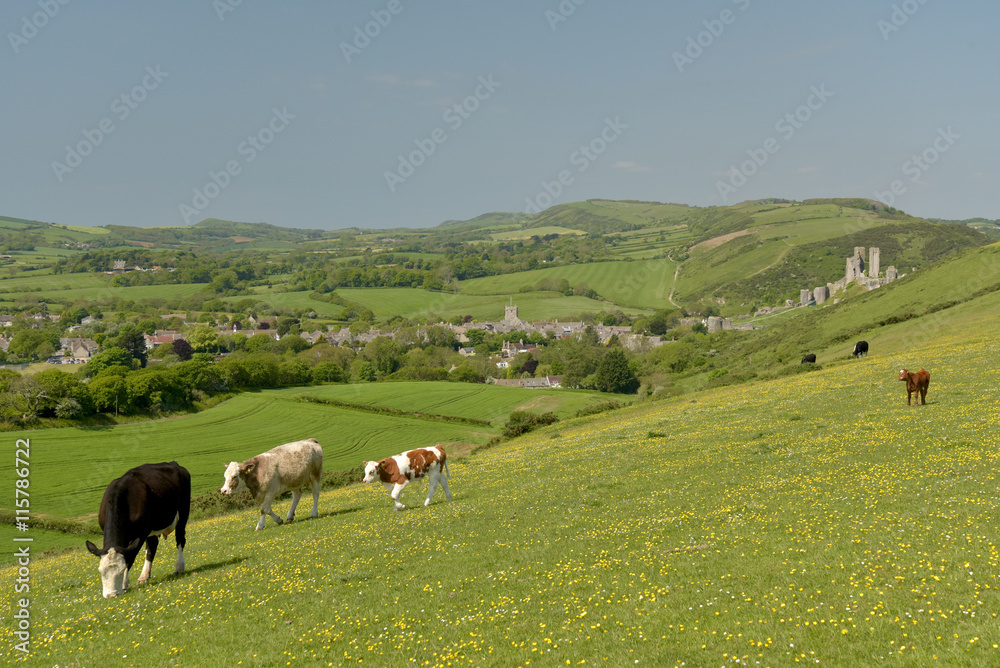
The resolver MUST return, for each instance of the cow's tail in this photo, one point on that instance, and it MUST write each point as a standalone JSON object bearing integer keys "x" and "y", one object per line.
{"x": 444, "y": 465}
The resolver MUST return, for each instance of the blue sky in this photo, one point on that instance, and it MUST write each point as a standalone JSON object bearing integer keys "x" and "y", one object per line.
{"x": 155, "y": 113}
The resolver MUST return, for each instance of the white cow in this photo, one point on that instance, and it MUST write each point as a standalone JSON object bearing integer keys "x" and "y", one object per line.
{"x": 287, "y": 467}
{"x": 397, "y": 472}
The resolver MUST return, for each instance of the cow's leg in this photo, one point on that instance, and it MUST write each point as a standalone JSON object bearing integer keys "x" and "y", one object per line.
{"x": 181, "y": 537}
{"x": 432, "y": 487}
{"x": 296, "y": 495}
{"x": 444, "y": 483}
{"x": 265, "y": 510}
{"x": 397, "y": 491}
{"x": 147, "y": 566}
{"x": 316, "y": 486}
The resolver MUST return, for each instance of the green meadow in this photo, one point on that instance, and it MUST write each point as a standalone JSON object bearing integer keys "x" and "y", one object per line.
{"x": 415, "y": 303}
{"x": 810, "y": 519}
{"x": 641, "y": 284}
{"x": 74, "y": 465}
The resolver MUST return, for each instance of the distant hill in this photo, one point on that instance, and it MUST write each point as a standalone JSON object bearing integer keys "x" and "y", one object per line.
{"x": 769, "y": 252}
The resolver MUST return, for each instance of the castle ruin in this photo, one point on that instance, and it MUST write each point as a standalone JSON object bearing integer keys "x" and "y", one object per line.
{"x": 855, "y": 271}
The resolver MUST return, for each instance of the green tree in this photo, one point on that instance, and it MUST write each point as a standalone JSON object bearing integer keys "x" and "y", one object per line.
{"x": 384, "y": 355}
{"x": 27, "y": 342}
{"x": 108, "y": 358}
{"x": 132, "y": 341}
{"x": 110, "y": 394}
{"x": 328, "y": 372}
{"x": 615, "y": 375}
{"x": 203, "y": 338}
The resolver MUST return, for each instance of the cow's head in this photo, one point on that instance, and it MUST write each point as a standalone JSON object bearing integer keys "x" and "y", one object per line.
{"x": 234, "y": 477}
{"x": 113, "y": 568}
{"x": 371, "y": 470}
{"x": 903, "y": 373}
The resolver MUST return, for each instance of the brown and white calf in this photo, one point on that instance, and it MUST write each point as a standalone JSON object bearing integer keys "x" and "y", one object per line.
{"x": 397, "y": 472}
{"x": 287, "y": 467}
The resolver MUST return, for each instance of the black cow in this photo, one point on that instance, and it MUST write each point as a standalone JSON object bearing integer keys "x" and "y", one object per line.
{"x": 860, "y": 348}
{"x": 809, "y": 359}
{"x": 148, "y": 501}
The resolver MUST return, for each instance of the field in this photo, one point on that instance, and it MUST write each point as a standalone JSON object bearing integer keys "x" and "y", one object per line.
{"x": 641, "y": 284}
{"x": 252, "y": 422}
{"x": 413, "y": 303}
{"x": 811, "y": 519}
{"x": 483, "y": 402}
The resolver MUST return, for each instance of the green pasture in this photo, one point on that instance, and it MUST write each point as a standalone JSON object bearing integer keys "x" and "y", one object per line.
{"x": 52, "y": 282}
{"x": 810, "y": 519}
{"x": 71, "y": 466}
{"x": 133, "y": 293}
{"x": 415, "y": 303}
{"x": 705, "y": 270}
{"x": 640, "y": 284}
{"x": 98, "y": 231}
{"x": 534, "y": 232}
{"x": 482, "y": 402}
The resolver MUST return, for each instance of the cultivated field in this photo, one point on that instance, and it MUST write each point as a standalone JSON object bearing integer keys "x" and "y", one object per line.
{"x": 644, "y": 284}
{"x": 73, "y": 466}
{"x": 812, "y": 519}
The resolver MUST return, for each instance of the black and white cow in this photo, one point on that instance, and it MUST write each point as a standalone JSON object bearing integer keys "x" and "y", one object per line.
{"x": 809, "y": 359}
{"x": 860, "y": 348}
{"x": 147, "y": 502}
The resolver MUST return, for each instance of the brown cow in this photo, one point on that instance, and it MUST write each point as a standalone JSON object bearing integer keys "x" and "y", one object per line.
{"x": 916, "y": 384}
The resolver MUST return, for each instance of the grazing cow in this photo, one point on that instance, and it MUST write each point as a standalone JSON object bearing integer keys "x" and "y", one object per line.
{"x": 147, "y": 502}
{"x": 916, "y": 384}
{"x": 287, "y": 467}
{"x": 397, "y": 472}
{"x": 809, "y": 359}
{"x": 860, "y": 348}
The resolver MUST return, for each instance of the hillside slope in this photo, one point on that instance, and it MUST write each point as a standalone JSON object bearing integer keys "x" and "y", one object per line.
{"x": 942, "y": 297}
{"x": 786, "y": 249}
{"x": 809, "y": 519}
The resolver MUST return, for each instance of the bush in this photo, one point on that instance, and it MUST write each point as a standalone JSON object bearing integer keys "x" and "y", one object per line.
{"x": 521, "y": 422}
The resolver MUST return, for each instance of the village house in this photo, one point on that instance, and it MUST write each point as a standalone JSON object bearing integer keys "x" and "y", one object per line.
{"x": 159, "y": 337}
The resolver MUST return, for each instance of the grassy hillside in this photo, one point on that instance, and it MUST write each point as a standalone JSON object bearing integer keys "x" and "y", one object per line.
{"x": 642, "y": 284}
{"x": 68, "y": 485}
{"x": 809, "y": 519}
{"x": 928, "y": 303}
{"x": 804, "y": 246}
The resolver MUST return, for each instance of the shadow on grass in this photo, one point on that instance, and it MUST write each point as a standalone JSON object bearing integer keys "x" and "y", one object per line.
{"x": 214, "y": 566}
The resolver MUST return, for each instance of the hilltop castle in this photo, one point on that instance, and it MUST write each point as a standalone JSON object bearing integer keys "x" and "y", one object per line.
{"x": 856, "y": 271}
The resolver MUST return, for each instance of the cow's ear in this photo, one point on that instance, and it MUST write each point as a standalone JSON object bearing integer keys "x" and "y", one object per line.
{"x": 94, "y": 549}
{"x": 249, "y": 467}
{"x": 134, "y": 545}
